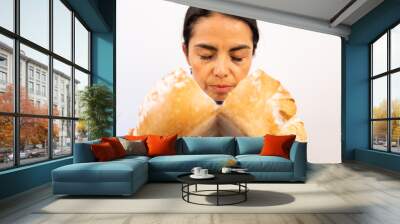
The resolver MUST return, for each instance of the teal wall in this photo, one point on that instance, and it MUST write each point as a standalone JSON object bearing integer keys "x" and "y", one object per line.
{"x": 355, "y": 89}
{"x": 99, "y": 16}
{"x": 103, "y": 63}
{"x": 24, "y": 178}
{"x": 104, "y": 52}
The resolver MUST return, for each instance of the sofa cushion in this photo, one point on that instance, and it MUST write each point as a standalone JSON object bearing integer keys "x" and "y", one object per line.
{"x": 207, "y": 145}
{"x": 111, "y": 171}
{"x": 116, "y": 145}
{"x": 249, "y": 145}
{"x": 185, "y": 163}
{"x": 277, "y": 145}
{"x": 103, "y": 152}
{"x": 134, "y": 147}
{"x": 161, "y": 145}
{"x": 257, "y": 163}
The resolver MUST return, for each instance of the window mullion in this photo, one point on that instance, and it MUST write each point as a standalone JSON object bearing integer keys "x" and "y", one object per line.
{"x": 389, "y": 101}
{"x": 50, "y": 79}
{"x": 73, "y": 82}
{"x": 16, "y": 85}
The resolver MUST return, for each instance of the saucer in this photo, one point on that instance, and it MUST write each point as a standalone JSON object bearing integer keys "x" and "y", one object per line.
{"x": 208, "y": 176}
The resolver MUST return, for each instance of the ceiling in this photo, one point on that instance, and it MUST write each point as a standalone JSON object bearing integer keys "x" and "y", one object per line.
{"x": 326, "y": 16}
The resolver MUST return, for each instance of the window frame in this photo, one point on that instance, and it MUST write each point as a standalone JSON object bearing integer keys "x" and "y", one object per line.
{"x": 388, "y": 74}
{"x": 15, "y": 72}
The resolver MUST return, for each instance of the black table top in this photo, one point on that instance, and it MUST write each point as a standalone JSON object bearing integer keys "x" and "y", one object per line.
{"x": 220, "y": 178}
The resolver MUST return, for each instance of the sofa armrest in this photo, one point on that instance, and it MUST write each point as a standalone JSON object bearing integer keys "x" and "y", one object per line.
{"x": 298, "y": 155}
{"x": 83, "y": 152}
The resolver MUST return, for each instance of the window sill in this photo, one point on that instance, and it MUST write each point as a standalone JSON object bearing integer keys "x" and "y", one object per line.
{"x": 30, "y": 166}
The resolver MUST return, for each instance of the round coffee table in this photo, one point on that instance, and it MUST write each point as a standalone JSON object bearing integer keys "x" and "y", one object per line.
{"x": 238, "y": 179}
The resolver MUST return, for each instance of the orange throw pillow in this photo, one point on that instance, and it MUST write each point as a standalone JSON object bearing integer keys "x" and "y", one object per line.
{"x": 161, "y": 145}
{"x": 116, "y": 145}
{"x": 277, "y": 145}
{"x": 103, "y": 152}
{"x": 135, "y": 138}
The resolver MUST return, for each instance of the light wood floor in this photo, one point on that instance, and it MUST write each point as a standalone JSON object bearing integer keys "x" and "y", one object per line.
{"x": 378, "y": 188}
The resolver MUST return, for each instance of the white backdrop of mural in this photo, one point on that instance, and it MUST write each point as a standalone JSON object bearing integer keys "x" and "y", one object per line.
{"x": 308, "y": 65}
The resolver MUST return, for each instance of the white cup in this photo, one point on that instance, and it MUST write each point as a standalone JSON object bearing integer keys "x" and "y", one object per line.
{"x": 196, "y": 170}
{"x": 203, "y": 172}
{"x": 226, "y": 170}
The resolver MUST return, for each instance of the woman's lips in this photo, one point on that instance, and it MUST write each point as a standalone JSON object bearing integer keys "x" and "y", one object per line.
{"x": 221, "y": 89}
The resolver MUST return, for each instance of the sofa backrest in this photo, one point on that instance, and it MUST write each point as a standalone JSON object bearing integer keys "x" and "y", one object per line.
{"x": 83, "y": 152}
{"x": 206, "y": 145}
{"x": 249, "y": 145}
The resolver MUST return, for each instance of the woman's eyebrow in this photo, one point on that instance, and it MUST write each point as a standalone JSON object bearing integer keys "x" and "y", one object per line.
{"x": 240, "y": 47}
{"x": 206, "y": 46}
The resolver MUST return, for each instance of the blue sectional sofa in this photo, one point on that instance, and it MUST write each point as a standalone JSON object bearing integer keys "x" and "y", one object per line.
{"x": 125, "y": 176}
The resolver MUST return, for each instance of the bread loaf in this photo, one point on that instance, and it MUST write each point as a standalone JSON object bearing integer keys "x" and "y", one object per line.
{"x": 258, "y": 105}
{"x": 177, "y": 105}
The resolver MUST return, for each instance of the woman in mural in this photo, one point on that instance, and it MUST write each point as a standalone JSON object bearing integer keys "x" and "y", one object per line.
{"x": 219, "y": 98}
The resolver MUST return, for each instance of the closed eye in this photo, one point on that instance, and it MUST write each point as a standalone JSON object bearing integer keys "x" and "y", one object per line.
{"x": 205, "y": 57}
{"x": 237, "y": 59}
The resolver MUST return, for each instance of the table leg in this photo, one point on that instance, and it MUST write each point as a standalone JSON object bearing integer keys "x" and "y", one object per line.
{"x": 188, "y": 190}
{"x": 245, "y": 193}
{"x": 217, "y": 194}
{"x": 196, "y": 188}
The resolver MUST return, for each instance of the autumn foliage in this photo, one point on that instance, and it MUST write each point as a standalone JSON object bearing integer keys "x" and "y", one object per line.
{"x": 380, "y": 127}
{"x": 33, "y": 131}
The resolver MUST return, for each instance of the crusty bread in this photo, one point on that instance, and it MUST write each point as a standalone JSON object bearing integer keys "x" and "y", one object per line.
{"x": 257, "y": 106}
{"x": 177, "y": 105}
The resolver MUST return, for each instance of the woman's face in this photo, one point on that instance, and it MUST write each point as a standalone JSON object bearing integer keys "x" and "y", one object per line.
{"x": 220, "y": 53}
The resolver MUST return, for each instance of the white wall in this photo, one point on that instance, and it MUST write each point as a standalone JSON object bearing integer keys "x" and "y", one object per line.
{"x": 149, "y": 37}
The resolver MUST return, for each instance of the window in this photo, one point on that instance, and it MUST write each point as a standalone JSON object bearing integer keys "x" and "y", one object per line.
{"x": 81, "y": 81}
{"x": 6, "y": 142}
{"x": 35, "y": 21}
{"x": 62, "y": 29}
{"x": 54, "y": 126}
{"x": 30, "y": 72}
{"x": 3, "y": 78}
{"x": 6, "y": 73}
{"x": 37, "y": 89}
{"x": 81, "y": 45}
{"x": 385, "y": 94}
{"x": 30, "y": 87}
{"x": 3, "y": 61}
{"x": 62, "y": 140}
{"x": 62, "y": 74}
{"x": 43, "y": 77}
{"x": 37, "y": 74}
{"x": 7, "y": 14}
{"x": 44, "y": 91}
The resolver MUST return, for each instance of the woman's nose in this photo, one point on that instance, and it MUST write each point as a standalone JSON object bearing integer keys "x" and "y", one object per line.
{"x": 221, "y": 69}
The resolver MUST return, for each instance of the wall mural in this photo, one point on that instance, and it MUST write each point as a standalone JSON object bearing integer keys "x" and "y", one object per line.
{"x": 219, "y": 97}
